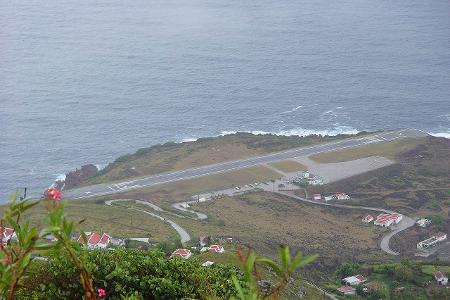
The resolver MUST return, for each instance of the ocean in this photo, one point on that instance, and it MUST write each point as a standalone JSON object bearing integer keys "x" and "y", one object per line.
{"x": 86, "y": 81}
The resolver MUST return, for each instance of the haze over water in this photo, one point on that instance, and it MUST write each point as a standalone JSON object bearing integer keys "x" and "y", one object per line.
{"x": 86, "y": 81}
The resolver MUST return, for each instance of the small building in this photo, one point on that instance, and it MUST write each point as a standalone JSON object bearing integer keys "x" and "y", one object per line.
{"x": 207, "y": 263}
{"x": 95, "y": 240}
{"x": 423, "y": 222}
{"x": 216, "y": 249}
{"x": 440, "y": 236}
{"x": 317, "y": 197}
{"x": 183, "y": 253}
{"x": 432, "y": 241}
{"x": 367, "y": 218}
{"x": 342, "y": 196}
{"x": 6, "y": 234}
{"x": 329, "y": 198}
{"x": 354, "y": 280}
{"x": 441, "y": 278}
{"x": 347, "y": 290}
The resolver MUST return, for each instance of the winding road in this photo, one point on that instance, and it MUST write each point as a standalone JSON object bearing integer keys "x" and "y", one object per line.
{"x": 184, "y": 235}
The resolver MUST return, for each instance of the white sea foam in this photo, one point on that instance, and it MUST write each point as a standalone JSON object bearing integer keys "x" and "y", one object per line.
{"x": 301, "y": 131}
{"x": 100, "y": 166}
{"x": 441, "y": 134}
{"x": 60, "y": 177}
{"x": 189, "y": 139}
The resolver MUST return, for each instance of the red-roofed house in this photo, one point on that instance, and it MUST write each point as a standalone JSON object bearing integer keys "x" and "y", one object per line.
{"x": 386, "y": 219}
{"x": 317, "y": 197}
{"x": 433, "y": 240}
{"x": 347, "y": 290}
{"x": 95, "y": 240}
{"x": 183, "y": 253}
{"x": 354, "y": 280}
{"x": 367, "y": 219}
{"x": 216, "y": 249}
{"x": 440, "y": 236}
{"x": 441, "y": 278}
{"x": 6, "y": 234}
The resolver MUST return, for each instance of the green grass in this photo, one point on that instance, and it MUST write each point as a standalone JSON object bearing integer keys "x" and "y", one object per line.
{"x": 116, "y": 221}
{"x": 386, "y": 149}
{"x": 288, "y": 166}
{"x": 431, "y": 269}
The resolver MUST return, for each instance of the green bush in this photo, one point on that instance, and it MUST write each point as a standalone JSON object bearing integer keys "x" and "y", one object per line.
{"x": 125, "y": 271}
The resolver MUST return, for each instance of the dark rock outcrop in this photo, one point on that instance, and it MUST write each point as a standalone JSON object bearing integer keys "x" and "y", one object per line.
{"x": 74, "y": 178}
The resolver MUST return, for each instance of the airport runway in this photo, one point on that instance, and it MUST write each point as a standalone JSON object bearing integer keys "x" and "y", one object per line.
{"x": 117, "y": 187}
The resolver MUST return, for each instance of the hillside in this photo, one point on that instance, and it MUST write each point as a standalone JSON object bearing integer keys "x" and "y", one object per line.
{"x": 177, "y": 156}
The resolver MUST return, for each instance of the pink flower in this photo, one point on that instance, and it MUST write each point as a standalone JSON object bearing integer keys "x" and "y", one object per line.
{"x": 54, "y": 194}
{"x": 101, "y": 292}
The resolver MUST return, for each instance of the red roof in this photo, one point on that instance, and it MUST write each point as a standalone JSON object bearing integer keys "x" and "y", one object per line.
{"x": 105, "y": 239}
{"x": 181, "y": 252}
{"x": 6, "y": 232}
{"x": 94, "y": 238}
{"x": 360, "y": 278}
{"x": 439, "y": 275}
{"x": 215, "y": 248}
{"x": 383, "y": 218}
{"x": 439, "y": 234}
{"x": 346, "y": 289}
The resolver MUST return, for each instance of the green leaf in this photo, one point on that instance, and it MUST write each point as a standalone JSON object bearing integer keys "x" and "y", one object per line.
{"x": 238, "y": 287}
{"x": 285, "y": 258}
{"x": 270, "y": 263}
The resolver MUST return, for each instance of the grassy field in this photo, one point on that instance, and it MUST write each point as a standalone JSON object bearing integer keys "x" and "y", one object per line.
{"x": 387, "y": 149}
{"x": 288, "y": 166}
{"x": 178, "y": 156}
{"x": 115, "y": 221}
{"x": 166, "y": 194}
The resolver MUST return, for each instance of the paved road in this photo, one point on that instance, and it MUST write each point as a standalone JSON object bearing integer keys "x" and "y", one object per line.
{"x": 105, "y": 189}
{"x": 184, "y": 235}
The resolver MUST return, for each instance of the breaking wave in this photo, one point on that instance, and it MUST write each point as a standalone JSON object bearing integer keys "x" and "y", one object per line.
{"x": 301, "y": 131}
{"x": 441, "y": 134}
